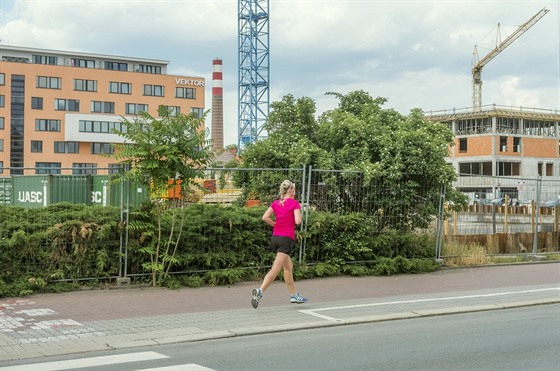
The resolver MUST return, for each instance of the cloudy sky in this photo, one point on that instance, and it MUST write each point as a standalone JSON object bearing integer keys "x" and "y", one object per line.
{"x": 415, "y": 53}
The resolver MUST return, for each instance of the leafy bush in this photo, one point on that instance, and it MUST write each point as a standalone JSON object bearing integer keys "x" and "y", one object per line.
{"x": 50, "y": 249}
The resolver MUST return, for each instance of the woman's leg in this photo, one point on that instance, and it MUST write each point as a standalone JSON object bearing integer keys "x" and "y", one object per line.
{"x": 288, "y": 275}
{"x": 279, "y": 262}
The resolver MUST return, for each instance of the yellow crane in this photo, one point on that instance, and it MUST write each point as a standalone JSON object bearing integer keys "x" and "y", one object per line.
{"x": 478, "y": 64}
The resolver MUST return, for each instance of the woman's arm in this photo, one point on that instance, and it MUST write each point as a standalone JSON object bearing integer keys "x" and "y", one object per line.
{"x": 267, "y": 217}
{"x": 297, "y": 214}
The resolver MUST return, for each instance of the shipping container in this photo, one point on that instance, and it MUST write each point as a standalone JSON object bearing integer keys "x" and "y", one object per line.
{"x": 132, "y": 192}
{"x": 43, "y": 190}
{"x": 6, "y": 188}
{"x": 71, "y": 188}
{"x": 101, "y": 190}
{"x": 31, "y": 191}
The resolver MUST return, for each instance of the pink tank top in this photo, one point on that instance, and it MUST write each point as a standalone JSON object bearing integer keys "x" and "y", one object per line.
{"x": 285, "y": 219}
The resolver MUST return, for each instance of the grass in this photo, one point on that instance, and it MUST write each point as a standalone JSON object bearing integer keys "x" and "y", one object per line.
{"x": 504, "y": 259}
{"x": 457, "y": 254}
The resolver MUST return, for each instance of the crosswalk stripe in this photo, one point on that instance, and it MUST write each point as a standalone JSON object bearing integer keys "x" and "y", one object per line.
{"x": 184, "y": 367}
{"x": 88, "y": 362}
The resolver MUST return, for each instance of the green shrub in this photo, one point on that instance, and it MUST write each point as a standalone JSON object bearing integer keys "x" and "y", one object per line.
{"x": 325, "y": 270}
{"x": 193, "y": 281}
{"x": 356, "y": 270}
{"x": 224, "y": 277}
{"x": 223, "y": 245}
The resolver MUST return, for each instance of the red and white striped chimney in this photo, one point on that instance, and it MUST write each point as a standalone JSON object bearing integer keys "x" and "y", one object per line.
{"x": 217, "y": 106}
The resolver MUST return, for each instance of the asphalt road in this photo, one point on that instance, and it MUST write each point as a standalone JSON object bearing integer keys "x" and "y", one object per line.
{"x": 526, "y": 338}
{"x": 115, "y": 328}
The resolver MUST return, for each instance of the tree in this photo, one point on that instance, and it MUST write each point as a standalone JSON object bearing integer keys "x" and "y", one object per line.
{"x": 401, "y": 157}
{"x": 167, "y": 153}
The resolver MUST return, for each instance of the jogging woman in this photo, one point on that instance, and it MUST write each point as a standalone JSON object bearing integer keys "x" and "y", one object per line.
{"x": 287, "y": 212}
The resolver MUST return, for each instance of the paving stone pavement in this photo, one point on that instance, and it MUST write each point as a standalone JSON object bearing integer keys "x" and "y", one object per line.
{"x": 92, "y": 320}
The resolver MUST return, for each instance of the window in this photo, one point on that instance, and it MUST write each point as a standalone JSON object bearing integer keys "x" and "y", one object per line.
{"x": 507, "y": 125}
{"x": 116, "y": 66}
{"x": 83, "y": 63}
{"x": 36, "y": 103}
{"x": 15, "y": 59}
{"x": 47, "y": 82}
{"x": 462, "y": 145}
{"x": 120, "y": 87}
{"x": 198, "y": 112}
{"x": 37, "y": 146}
{"x": 2, "y": 100}
{"x": 149, "y": 69}
{"x": 1, "y": 167}
{"x": 187, "y": 93}
{"x": 2, "y": 79}
{"x": 475, "y": 168}
{"x": 507, "y": 168}
{"x": 154, "y": 90}
{"x": 134, "y": 109}
{"x": 1, "y": 145}
{"x": 90, "y": 126}
{"x": 114, "y": 168}
{"x": 1, "y": 123}
{"x": 85, "y": 85}
{"x": 102, "y": 107}
{"x": 66, "y": 105}
{"x": 84, "y": 169}
{"x": 66, "y": 147}
{"x": 503, "y": 144}
{"x": 172, "y": 111}
{"x": 106, "y": 148}
{"x": 516, "y": 144}
{"x": 47, "y": 125}
{"x": 474, "y": 126}
{"x": 539, "y": 127}
{"x": 539, "y": 168}
{"x": 549, "y": 169}
{"x": 44, "y": 59}
{"x": 47, "y": 168}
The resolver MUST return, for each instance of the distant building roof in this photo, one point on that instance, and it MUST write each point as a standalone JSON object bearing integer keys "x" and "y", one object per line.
{"x": 494, "y": 110}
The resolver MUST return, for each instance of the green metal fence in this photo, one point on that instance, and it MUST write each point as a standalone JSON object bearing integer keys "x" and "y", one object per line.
{"x": 417, "y": 205}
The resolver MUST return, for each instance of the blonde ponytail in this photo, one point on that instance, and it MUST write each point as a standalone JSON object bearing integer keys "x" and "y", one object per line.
{"x": 284, "y": 188}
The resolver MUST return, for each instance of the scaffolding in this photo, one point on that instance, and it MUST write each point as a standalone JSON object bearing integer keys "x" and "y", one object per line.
{"x": 253, "y": 70}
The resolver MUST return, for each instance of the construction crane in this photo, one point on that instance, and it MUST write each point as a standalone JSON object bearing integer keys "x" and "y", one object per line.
{"x": 478, "y": 64}
{"x": 253, "y": 70}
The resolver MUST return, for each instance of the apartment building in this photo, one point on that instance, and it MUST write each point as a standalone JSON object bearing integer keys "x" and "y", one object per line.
{"x": 58, "y": 108}
{"x": 514, "y": 145}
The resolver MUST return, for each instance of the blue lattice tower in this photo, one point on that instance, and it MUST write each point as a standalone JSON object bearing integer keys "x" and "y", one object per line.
{"x": 254, "y": 70}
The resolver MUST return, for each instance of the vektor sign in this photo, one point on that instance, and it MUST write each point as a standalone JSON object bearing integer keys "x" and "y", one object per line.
{"x": 189, "y": 82}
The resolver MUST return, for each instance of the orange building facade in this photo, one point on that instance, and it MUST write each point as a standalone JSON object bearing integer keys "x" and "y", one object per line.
{"x": 499, "y": 146}
{"x": 58, "y": 108}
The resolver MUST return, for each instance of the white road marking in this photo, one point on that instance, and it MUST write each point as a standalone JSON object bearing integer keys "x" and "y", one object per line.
{"x": 184, "y": 367}
{"x": 36, "y": 312}
{"x": 88, "y": 362}
{"x": 313, "y": 312}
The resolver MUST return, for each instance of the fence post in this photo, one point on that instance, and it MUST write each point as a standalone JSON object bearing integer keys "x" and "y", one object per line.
{"x": 506, "y": 214}
{"x": 535, "y": 235}
{"x": 121, "y": 239}
{"x": 439, "y": 228}
{"x": 125, "y": 217}
{"x": 556, "y": 219}
{"x": 302, "y": 253}
{"x": 493, "y": 217}
{"x": 303, "y": 224}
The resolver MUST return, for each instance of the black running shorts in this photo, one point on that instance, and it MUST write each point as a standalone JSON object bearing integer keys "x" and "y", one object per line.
{"x": 282, "y": 244}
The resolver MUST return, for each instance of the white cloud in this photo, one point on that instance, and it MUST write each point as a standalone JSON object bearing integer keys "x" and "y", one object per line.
{"x": 417, "y": 53}
{"x": 513, "y": 95}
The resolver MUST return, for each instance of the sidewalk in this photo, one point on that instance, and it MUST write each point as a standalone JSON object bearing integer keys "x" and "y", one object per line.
{"x": 93, "y": 320}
